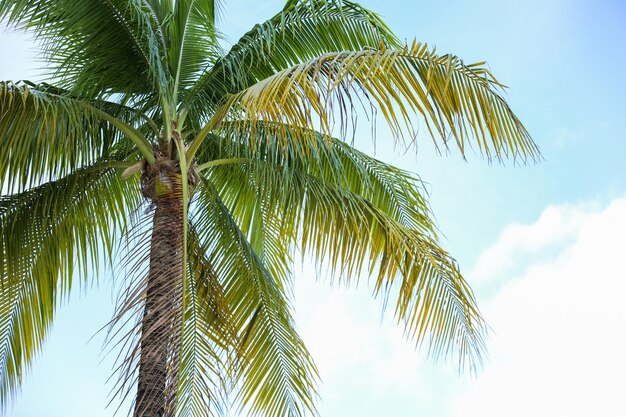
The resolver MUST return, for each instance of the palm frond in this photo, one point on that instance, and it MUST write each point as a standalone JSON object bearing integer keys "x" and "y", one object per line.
{"x": 95, "y": 46}
{"x": 192, "y": 41}
{"x": 385, "y": 238}
{"x": 206, "y": 368}
{"x": 456, "y": 101}
{"x": 278, "y": 376}
{"x": 46, "y": 133}
{"x": 266, "y": 235}
{"x": 399, "y": 194}
{"x": 49, "y": 235}
{"x": 302, "y": 31}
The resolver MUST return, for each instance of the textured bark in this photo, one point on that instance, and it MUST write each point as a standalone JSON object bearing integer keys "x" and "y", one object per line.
{"x": 161, "y": 323}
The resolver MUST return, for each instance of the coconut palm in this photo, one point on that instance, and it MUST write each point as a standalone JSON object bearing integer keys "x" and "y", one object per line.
{"x": 199, "y": 174}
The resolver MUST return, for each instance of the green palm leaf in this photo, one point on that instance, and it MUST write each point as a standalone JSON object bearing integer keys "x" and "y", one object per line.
{"x": 49, "y": 234}
{"x": 48, "y": 133}
{"x": 278, "y": 377}
{"x": 207, "y": 366}
{"x": 192, "y": 40}
{"x": 303, "y": 30}
{"x": 397, "y": 193}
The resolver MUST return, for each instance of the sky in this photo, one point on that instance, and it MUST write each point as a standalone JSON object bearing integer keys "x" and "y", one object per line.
{"x": 542, "y": 245}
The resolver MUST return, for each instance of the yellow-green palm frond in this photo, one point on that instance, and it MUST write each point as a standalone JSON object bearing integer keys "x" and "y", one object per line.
{"x": 46, "y": 133}
{"x": 456, "y": 101}
{"x": 81, "y": 40}
{"x": 360, "y": 216}
{"x": 267, "y": 236}
{"x": 302, "y": 31}
{"x": 278, "y": 376}
{"x": 432, "y": 299}
{"x": 49, "y": 235}
{"x": 206, "y": 372}
{"x": 399, "y": 193}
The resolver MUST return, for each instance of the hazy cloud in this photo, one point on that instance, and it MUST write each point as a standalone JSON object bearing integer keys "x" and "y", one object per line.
{"x": 560, "y": 327}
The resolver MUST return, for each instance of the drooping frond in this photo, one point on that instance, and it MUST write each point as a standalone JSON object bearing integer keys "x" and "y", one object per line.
{"x": 456, "y": 101}
{"x": 50, "y": 235}
{"x": 95, "y": 46}
{"x": 270, "y": 238}
{"x": 302, "y": 31}
{"x": 397, "y": 193}
{"x": 46, "y": 133}
{"x": 205, "y": 335}
{"x": 409, "y": 270}
{"x": 124, "y": 330}
{"x": 278, "y": 376}
{"x": 387, "y": 237}
{"x": 206, "y": 369}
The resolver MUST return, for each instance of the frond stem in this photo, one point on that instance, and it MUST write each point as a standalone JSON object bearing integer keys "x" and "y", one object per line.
{"x": 225, "y": 161}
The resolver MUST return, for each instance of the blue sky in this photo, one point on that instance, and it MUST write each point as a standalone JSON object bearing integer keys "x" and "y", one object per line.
{"x": 541, "y": 244}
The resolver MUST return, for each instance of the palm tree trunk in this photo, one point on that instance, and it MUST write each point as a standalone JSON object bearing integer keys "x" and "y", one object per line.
{"x": 161, "y": 323}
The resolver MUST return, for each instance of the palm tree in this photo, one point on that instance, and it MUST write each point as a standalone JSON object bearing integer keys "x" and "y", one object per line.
{"x": 209, "y": 170}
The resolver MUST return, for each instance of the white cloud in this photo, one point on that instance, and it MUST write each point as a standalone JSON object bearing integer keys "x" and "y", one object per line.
{"x": 521, "y": 244}
{"x": 561, "y": 327}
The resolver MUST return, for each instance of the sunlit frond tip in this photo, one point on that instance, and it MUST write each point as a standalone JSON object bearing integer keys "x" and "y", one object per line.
{"x": 436, "y": 305}
{"x": 456, "y": 102}
{"x": 408, "y": 271}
